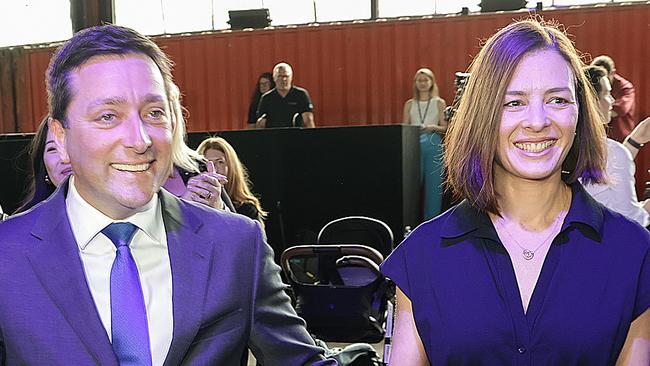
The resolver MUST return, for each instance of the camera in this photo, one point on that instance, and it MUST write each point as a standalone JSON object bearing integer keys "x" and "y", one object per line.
{"x": 459, "y": 84}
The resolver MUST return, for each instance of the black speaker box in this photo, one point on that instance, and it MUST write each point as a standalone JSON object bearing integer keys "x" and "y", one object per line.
{"x": 251, "y": 18}
{"x": 505, "y": 5}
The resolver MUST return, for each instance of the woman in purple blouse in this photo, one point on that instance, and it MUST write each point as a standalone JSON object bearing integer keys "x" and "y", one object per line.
{"x": 528, "y": 269}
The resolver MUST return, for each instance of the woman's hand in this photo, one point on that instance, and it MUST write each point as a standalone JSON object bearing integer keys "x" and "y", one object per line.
{"x": 206, "y": 188}
{"x": 434, "y": 128}
{"x": 641, "y": 132}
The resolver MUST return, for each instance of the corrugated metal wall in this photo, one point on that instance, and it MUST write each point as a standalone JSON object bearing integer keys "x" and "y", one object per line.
{"x": 357, "y": 73}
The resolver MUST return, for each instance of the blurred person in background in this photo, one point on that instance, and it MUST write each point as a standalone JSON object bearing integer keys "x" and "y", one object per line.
{"x": 238, "y": 186}
{"x": 622, "y": 120}
{"x": 618, "y": 193}
{"x": 46, "y": 170}
{"x": 286, "y": 105}
{"x": 264, "y": 84}
{"x": 528, "y": 268}
{"x": 426, "y": 109}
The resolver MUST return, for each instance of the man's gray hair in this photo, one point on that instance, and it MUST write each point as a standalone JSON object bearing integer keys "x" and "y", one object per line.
{"x": 282, "y": 65}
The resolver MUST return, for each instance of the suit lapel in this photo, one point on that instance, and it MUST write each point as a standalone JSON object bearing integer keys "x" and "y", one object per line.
{"x": 189, "y": 255}
{"x": 55, "y": 260}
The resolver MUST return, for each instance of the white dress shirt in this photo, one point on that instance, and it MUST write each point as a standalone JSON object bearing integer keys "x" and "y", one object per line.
{"x": 619, "y": 195}
{"x": 149, "y": 250}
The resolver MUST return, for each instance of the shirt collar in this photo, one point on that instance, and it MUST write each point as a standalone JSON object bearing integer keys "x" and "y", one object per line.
{"x": 584, "y": 214}
{"x": 86, "y": 221}
{"x": 464, "y": 219}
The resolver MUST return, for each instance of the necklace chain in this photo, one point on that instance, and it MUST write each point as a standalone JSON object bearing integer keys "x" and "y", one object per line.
{"x": 426, "y": 110}
{"x": 527, "y": 253}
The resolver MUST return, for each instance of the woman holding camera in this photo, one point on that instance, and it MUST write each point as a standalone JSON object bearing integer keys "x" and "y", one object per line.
{"x": 218, "y": 151}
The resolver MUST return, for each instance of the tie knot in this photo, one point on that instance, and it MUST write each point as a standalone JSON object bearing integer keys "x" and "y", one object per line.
{"x": 120, "y": 233}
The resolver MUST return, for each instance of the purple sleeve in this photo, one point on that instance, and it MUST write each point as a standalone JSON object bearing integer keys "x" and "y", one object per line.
{"x": 396, "y": 268}
{"x": 642, "y": 302}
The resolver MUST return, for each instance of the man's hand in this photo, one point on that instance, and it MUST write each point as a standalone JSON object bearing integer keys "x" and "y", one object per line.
{"x": 261, "y": 122}
{"x": 308, "y": 119}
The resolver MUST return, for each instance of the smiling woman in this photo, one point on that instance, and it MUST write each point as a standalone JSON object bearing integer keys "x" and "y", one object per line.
{"x": 46, "y": 170}
{"x": 539, "y": 119}
{"x": 527, "y": 244}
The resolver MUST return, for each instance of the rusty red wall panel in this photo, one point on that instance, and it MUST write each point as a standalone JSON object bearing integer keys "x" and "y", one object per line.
{"x": 7, "y": 97}
{"x": 31, "y": 98}
{"x": 357, "y": 73}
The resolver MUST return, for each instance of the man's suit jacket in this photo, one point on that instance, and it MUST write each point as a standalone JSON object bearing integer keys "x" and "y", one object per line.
{"x": 227, "y": 292}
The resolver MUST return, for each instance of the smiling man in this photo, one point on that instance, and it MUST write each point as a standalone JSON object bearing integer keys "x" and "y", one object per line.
{"x": 114, "y": 270}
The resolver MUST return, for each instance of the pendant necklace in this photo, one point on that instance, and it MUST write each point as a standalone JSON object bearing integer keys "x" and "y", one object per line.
{"x": 529, "y": 254}
{"x": 425, "y": 111}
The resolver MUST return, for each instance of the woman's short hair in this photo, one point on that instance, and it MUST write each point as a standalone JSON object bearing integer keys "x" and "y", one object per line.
{"x": 433, "y": 91}
{"x": 472, "y": 138}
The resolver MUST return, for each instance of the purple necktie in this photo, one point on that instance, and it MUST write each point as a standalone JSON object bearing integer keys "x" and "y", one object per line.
{"x": 128, "y": 313}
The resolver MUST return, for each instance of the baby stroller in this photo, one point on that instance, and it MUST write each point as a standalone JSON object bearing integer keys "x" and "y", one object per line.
{"x": 337, "y": 286}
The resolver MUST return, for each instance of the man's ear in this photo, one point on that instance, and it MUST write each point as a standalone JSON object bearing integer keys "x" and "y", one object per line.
{"x": 59, "y": 133}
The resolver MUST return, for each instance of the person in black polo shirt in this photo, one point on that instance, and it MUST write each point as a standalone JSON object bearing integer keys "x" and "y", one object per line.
{"x": 285, "y": 105}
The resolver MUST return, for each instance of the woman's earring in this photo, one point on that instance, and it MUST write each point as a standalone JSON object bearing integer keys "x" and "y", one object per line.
{"x": 47, "y": 179}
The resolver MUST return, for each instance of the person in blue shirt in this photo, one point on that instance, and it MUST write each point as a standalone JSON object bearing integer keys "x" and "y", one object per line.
{"x": 528, "y": 269}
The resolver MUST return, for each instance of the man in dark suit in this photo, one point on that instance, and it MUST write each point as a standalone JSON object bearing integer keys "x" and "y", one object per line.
{"x": 113, "y": 270}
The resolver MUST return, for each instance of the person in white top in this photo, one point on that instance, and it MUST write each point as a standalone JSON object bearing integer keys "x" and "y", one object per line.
{"x": 426, "y": 109}
{"x": 619, "y": 193}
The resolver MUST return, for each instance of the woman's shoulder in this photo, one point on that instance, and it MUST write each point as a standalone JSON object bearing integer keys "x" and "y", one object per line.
{"x": 248, "y": 209}
{"x": 427, "y": 247}
{"x": 429, "y": 234}
{"x": 623, "y": 232}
